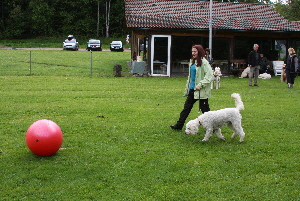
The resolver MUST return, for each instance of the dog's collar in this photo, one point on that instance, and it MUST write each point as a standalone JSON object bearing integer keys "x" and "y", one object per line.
{"x": 199, "y": 121}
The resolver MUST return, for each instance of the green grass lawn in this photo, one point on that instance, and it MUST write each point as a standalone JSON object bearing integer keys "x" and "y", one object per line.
{"x": 117, "y": 141}
{"x": 61, "y": 63}
{"x": 118, "y": 144}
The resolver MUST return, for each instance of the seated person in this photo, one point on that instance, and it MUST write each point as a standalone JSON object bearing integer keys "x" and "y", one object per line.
{"x": 264, "y": 66}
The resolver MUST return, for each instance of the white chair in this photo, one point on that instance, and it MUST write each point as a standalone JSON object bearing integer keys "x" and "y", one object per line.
{"x": 277, "y": 67}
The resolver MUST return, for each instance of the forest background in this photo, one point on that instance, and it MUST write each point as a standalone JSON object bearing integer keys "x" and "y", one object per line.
{"x": 24, "y": 19}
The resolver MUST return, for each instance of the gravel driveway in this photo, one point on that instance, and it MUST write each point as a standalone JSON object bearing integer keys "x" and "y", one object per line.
{"x": 10, "y": 48}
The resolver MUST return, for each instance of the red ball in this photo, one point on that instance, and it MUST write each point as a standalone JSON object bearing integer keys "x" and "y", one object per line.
{"x": 44, "y": 137}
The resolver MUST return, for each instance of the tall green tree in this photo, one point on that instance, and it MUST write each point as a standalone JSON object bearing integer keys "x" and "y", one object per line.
{"x": 289, "y": 10}
{"x": 32, "y": 18}
{"x": 41, "y": 15}
{"x": 14, "y": 18}
{"x": 117, "y": 21}
{"x": 107, "y": 17}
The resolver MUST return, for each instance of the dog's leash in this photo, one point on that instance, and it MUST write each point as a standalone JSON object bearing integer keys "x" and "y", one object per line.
{"x": 199, "y": 103}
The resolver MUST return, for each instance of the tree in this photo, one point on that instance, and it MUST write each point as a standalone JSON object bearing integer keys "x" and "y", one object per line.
{"x": 41, "y": 17}
{"x": 14, "y": 18}
{"x": 107, "y": 17}
{"x": 290, "y": 11}
{"x": 117, "y": 25}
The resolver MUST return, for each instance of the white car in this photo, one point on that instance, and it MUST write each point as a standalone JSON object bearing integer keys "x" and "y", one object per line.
{"x": 94, "y": 44}
{"x": 70, "y": 44}
{"x": 116, "y": 46}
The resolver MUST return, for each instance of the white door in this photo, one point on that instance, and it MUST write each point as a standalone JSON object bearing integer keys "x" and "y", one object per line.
{"x": 160, "y": 55}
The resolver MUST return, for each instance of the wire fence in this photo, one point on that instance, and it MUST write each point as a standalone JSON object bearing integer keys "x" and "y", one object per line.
{"x": 61, "y": 63}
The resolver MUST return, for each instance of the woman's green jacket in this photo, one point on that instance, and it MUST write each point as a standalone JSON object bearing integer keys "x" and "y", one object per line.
{"x": 204, "y": 77}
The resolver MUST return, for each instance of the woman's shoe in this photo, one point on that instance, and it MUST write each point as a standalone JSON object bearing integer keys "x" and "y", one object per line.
{"x": 175, "y": 127}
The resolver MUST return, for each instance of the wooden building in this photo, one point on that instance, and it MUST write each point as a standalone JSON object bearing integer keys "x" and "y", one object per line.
{"x": 163, "y": 32}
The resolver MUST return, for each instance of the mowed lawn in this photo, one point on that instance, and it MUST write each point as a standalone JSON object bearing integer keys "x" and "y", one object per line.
{"x": 118, "y": 144}
{"x": 61, "y": 63}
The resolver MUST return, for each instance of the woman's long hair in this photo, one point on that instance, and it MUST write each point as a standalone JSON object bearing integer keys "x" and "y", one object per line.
{"x": 201, "y": 54}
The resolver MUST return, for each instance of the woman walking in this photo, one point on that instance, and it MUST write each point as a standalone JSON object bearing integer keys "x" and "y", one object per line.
{"x": 291, "y": 67}
{"x": 197, "y": 86}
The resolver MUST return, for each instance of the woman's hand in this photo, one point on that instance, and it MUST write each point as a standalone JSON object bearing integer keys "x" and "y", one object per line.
{"x": 198, "y": 88}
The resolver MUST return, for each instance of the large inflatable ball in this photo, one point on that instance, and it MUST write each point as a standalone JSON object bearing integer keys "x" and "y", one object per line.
{"x": 44, "y": 137}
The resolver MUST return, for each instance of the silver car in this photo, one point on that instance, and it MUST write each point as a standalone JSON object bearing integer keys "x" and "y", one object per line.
{"x": 70, "y": 43}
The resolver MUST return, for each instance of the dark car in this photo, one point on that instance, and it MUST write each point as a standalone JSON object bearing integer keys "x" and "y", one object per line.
{"x": 116, "y": 46}
{"x": 94, "y": 45}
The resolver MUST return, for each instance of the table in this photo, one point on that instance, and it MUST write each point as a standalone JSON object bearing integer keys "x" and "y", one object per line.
{"x": 182, "y": 64}
{"x": 157, "y": 67}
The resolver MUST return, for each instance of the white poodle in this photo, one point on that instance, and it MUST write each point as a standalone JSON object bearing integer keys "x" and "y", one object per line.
{"x": 245, "y": 73}
{"x": 265, "y": 76}
{"x": 217, "y": 74}
{"x": 212, "y": 121}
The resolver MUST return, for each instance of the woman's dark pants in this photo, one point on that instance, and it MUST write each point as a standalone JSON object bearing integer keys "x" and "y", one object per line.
{"x": 188, "y": 105}
{"x": 290, "y": 77}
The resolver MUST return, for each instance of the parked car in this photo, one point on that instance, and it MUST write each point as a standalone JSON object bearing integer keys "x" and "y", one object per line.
{"x": 94, "y": 44}
{"x": 142, "y": 46}
{"x": 70, "y": 43}
{"x": 116, "y": 46}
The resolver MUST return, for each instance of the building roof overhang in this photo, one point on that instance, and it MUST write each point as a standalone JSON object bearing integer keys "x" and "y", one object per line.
{"x": 194, "y": 15}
